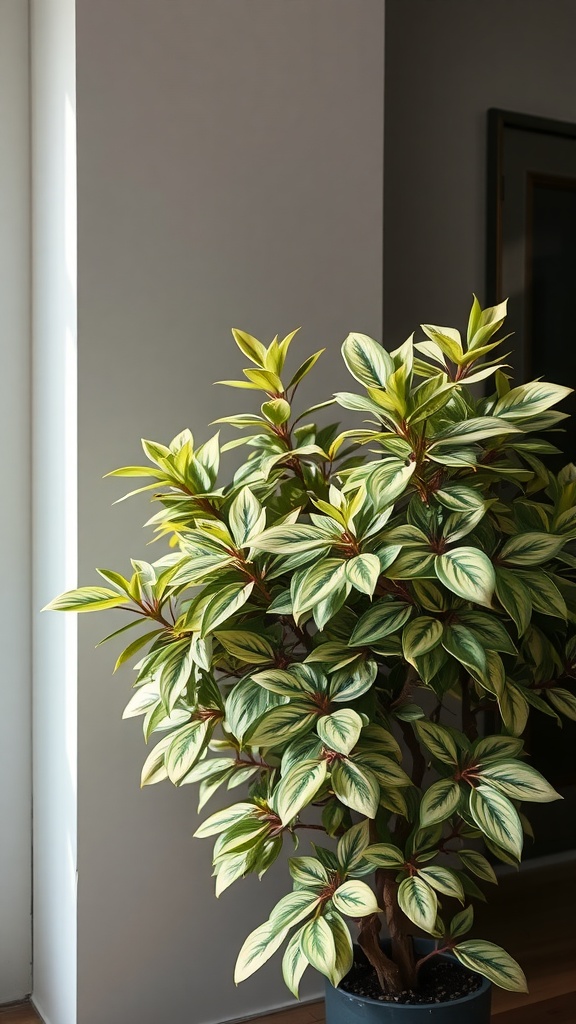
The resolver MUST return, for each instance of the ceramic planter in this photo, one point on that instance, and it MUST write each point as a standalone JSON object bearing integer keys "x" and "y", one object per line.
{"x": 344, "y": 1008}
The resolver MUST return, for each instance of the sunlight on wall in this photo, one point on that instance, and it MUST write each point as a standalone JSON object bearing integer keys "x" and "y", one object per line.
{"x": 55, "y": 541}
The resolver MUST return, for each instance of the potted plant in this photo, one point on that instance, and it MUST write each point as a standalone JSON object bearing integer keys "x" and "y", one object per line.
{"x": 332, "y": 630}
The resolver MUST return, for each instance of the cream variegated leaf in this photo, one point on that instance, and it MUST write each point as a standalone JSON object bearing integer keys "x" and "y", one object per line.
{"x": 341, "y": 730}
{"x": 419, "y": 902}
{"x": 294, "y": 963}
{"x": 298, "y": 788}
{"x": 355, "y": 899}
{"x": 497, "y": 817}
{"x": 319, "y": 946}
{"x": 493, "y": 962}
{"x": 260, "y": 945}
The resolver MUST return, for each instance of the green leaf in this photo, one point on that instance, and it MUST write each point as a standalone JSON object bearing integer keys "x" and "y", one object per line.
{"x": 340, "y": 731}
{"x": 529, "y": 400}
{"x": 242, "y": 835}
{"x": 460, "y": 524}
{"x": 363, "y": 572}
{"x": 531, "y": 548}
{"x": 447, "y": 339}
{"x": 356, "y": 787}
{"x": 493, "y": 962}
{"x": 438, "y": 740}
{"x": 246, "y": 703}
{"x": 427, "y": 406}
{"x": 175, "y": 667}
{"x": 384, "y": 617}
{"x": 308, "y": 871}
{"x": 497, "y": 818}
{"x": 185, "y": 749}
{"x": 246, "y": 517}
{"x": 289, "y": 539}
{"x": 250, "y": 347}
{"x": 298, "y": 788}
{"x": 384, "y": 855}
{"x": 544, "y": 594}
{"x": 281, "y": 724}
{"x": 468, "y": 573}
{"x": 514, "y": 597}
{"x": 358, "y": 403}
{"x": 293, "y": 908}
{"x": 497, "y": 746}
{"x": 367, "y": 361}
{"x": 483, "y": 323}
{"x": 387, "y": 480}
{"x": 294, "y": 963}
{"x": 460, "y": 498}
{"x": 316, "y": 584}
{"x": 412, "y": 563}
{"x": 343, "y": 945}
{"x": 462, "y": 922}
{"x": 518, "y": 781}
{"x": 230, "y": 868}
{"x": 223, "y": 819}
{"x": 420, "y": 636}
{"x": 387, "y": 772}
{"x": 352, "y": 681}
{"x": 439, "y": 801}
{"x": 332, "y": 817}
{"x": 86, "y": 599}
{"x": 489, "y": 630}
{"x": 352, "y": 845}
{"x": 478, "y": 865}
{"x": 252, "y": 648}
{"x": 154, "y": 768}
{"x": 513, "y": 708}
{"x": 443, "y": 880}
{"x": 146, "y": 696}
{"x": 142, "y": 471}
{"x": 134, "y": 647}
{"x": 319, "y": 947}
{"x": 419, "y": 902}
{"x": 462, "y": 644}
{"x": 277, "y": 411}
{"x": 563, "y": 701}
{"x": 224, "y": 605}
{"x": 475, "y": 429}
{"x": 260, "y": 945}
{"x": 305, "y": 368}
{"x": 355, "y": 899}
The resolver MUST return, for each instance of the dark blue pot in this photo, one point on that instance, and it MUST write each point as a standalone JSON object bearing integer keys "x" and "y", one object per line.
{"x": 343, "y": 1008}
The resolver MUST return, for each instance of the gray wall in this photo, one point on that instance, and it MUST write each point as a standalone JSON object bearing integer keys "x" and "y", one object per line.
{"x": 447, "y": 62}
{"x": 229, "y": 174}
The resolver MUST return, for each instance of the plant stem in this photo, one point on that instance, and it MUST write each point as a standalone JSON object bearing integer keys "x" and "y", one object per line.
{"x": 418, "y": 759}
{"x": 469, "y": 727}
{"x": 386, "y": 970}
{"x": 402, "y": 946}
{"x": 435, "y": 952}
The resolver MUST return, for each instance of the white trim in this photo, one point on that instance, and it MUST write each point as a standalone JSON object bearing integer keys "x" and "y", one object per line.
{"x": 53, "y": 91}
{"x": 15, "y": 679}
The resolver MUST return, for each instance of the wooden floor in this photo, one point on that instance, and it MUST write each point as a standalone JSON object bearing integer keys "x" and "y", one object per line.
{"x": 535, "y": 922}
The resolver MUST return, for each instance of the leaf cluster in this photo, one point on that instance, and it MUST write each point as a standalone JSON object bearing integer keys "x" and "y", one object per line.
{"x": 315, "y": 621}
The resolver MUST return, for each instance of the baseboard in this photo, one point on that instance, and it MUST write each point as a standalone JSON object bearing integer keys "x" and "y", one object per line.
{"x": 282, "y": 1008}
{"x": 43, "y": 1018}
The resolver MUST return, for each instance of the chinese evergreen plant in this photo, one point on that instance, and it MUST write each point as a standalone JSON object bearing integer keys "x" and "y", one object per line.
{"x": 331, "y": 629}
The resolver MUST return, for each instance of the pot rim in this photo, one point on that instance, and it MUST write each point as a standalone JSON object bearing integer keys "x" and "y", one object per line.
{"x": 484, "y": 987}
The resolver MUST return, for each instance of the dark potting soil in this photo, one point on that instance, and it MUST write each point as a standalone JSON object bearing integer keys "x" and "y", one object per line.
{"x": 440, "y": 981}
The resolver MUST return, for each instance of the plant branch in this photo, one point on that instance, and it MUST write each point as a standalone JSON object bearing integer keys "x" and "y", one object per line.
{"x": 469, "y": 727}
